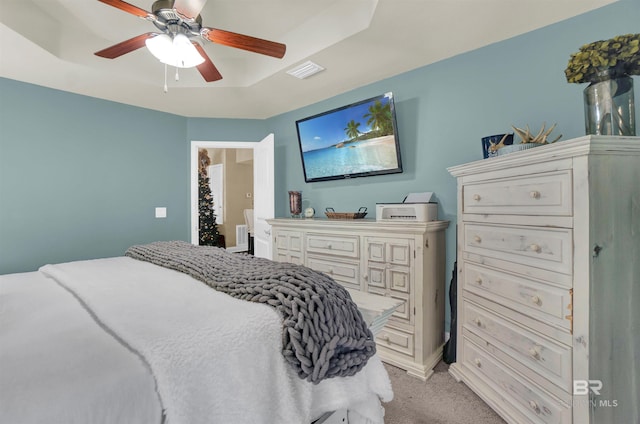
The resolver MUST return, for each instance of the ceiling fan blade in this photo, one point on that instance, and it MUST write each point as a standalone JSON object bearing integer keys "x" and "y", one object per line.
{"x": 129, "y": 8}
{"x": 189, "y": 8}
{"x": 207, "y": 69}
{"x": 125, "y": 47}
{"x": 245, "y": 42}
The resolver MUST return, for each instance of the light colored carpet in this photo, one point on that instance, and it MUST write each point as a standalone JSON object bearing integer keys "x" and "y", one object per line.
{"x": 439, "y": 400}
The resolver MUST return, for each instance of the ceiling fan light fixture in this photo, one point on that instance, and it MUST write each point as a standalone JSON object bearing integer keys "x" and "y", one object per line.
{"x": 178, "y": 52}
{"x": 161, "y": 47}
{"x": 186, "y": 55}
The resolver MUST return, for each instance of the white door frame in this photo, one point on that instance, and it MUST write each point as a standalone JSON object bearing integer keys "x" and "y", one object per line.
{"x": 195, "y": 145}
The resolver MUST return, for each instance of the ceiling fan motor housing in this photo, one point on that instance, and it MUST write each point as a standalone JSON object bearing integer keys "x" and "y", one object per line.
{"x": 170, "y": 22}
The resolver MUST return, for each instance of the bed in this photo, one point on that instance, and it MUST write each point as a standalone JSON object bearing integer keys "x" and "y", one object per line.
{"x": 128, "y": 340}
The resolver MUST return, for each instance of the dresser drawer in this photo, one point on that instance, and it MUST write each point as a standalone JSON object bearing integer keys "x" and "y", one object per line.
{"x": 541, "y": 301}
{"x": 399, "y": 341}
{"x": 288, "y": 240}
{"x": 515, "y": 389}
{"x": 287, "y": 256}
{"x": 541, "y": 194}
{"x": 346, "y": 246}
{"x": 543, "y": 356}
{"x": 344, "y": 272}
{"x": 403, "y": 313}
{"x": 545, "y": 248}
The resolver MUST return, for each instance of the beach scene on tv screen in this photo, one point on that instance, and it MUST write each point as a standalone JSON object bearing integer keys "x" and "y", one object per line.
{"x": 356, "y": 139}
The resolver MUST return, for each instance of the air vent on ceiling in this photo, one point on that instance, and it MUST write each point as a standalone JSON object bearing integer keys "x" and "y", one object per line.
{"x": 305, "y": 70}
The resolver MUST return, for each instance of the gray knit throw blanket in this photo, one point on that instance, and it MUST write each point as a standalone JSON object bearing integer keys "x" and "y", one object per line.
{"x": 323, "y": 335}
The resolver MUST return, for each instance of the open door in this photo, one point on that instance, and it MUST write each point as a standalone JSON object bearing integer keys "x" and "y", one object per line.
{"x": 263, "y": 189}
{"x": 263, "y": 196}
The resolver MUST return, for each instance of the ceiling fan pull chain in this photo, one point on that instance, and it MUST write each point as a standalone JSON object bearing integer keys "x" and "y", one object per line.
{"x": 177, "y": 76}
{"x": 165, "y": 78}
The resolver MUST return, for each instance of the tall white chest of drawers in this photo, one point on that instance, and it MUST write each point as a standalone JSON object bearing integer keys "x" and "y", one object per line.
{"x": 403, "y": 260}
{"x": 549, "y": 281}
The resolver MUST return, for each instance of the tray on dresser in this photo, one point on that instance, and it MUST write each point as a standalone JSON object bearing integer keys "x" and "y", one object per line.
{"x": 332, "y": 214}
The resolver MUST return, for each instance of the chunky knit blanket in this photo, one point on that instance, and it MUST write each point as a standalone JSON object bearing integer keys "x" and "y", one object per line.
{"x": 323, "y": 335}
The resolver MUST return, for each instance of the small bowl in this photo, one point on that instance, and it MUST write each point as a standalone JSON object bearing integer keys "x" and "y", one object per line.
{"x": 516, "y": 148}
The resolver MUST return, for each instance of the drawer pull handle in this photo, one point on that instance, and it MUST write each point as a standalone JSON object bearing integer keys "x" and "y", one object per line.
{"x": 535, "y": 194}
{"x": 535, "y": 248}
{"x": 329, "y": 246}
{"x": 478, "y": 362}
{"x": 386, "y": 339}
{"x": 330, "y": 270}
{"x": 366, "y": 278}
{"x": 476, "y": 197}
{"x": 534, "y": 353}
{"x": 536, "y": 300}
{"x": 479, "y": 281}
{"x": 534, "y": 406}
{"x": 477, "y": 239}
{"x": 477, "y": 322}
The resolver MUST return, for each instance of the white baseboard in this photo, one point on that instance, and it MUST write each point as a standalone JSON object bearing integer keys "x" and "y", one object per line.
{"x": 234, "y": 249}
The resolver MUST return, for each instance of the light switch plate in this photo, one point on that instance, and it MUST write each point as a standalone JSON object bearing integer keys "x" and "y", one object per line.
{"x": 161, "y": 212}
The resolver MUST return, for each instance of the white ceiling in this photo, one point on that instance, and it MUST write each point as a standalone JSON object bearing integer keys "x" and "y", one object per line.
{"x": 51, "y": 43}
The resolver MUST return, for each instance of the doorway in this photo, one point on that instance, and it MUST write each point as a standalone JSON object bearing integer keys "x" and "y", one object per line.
{"x": 230, "y": 176}
{"x": 262, "y": 196}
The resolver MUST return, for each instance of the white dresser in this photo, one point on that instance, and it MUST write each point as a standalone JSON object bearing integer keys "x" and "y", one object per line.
{"x": 549, "y": 281}
{"x": 403, "y": 260}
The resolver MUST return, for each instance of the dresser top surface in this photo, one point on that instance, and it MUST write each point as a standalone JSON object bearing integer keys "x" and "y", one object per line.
{"x": 587, "y": 145}
{"x": 362, "y": 223}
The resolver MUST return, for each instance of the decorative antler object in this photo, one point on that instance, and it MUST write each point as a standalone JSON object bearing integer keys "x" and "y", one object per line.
{"x": 540, "y": 138}
{"x": 494, "y": 147}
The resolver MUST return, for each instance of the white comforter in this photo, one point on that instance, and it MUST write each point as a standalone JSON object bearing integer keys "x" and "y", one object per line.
{"x": 214, "y": 359}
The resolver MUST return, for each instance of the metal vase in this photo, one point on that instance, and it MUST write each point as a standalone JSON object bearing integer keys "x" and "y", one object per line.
{"x": 609, "y": 107}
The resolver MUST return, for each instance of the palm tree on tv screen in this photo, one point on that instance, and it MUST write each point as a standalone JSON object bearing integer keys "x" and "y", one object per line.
{"x": 352, "y": 129}
{"x": 379, "y": 118}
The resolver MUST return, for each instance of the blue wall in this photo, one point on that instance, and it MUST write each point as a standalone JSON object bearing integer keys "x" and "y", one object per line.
{"x": 444, "y": 109}
{"x": 80, "y": 177}
{"x": 204, "y": 129}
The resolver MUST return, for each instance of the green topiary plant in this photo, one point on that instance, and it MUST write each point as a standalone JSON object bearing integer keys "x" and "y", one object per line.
{"x": 605, "y": 59}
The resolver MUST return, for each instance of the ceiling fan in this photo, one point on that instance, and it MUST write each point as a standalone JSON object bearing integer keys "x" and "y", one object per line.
{"x": 179, "y": 21}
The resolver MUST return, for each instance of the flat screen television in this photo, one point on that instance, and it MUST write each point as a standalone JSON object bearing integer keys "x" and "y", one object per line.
{"x": 357, "y": 140}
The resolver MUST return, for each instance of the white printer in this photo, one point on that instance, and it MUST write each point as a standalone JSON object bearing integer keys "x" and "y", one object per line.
{"x": 416, "y": 207}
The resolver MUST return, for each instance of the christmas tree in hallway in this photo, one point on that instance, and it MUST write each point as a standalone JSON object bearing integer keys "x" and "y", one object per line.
{"x": 208, "y": 229}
